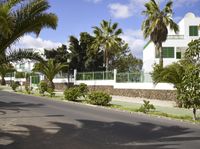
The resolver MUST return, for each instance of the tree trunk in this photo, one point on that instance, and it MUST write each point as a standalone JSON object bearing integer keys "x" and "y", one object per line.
{"x": 106, "y": 59}
{"x": 194, "y": 113}
{"x": 159, "y": 47}
{"x": 51, "y": 85}
{"x": 3, "y": 81}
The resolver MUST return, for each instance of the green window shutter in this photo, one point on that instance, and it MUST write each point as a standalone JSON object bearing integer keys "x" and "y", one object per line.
{"x": 178, "y": 55}
{"x": 168, "y": 52}
{"x": 193, "y": 31}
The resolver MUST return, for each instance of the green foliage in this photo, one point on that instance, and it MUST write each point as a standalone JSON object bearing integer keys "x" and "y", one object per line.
{"x": 50, "y": 90}
{"x": 15, "y": 85}
{"x": 43, "y": 87}
{"x": 83, "y": 89}
{"x": 28, "y": 88}
{"x": 20, "y": 75}
{"x": 49, "y": 69}
{"x": 72, "y": 94}
{"x": 19, "y": 17}
{"x": 99, "y": 98}
{"x": 5, "y": 69}
{"x": 146, "y": 107}
{"x": 107, "y": 37}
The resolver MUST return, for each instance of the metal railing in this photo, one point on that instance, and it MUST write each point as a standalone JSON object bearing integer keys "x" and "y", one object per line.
{"x": 109, "y": 75}
{"x": 137, "y": 77}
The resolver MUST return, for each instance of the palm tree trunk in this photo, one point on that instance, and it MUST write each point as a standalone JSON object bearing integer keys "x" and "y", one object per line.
{"x": 51, "y": 85}
{"x": 3, "y": 81}
{"x": 160, "y": 54}
{"x": 106, "y": 59}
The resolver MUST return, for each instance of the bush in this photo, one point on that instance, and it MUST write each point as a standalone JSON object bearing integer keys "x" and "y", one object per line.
{"x": 28, "y": 89}
{"x": 146, "y": 107}
{"x": 15, "y": 85}
{"x": 99, "y": 98}
{"x": 83, "y": 89}
{"x": 43, "y": 87}
{"x": 72, "y": 94}
{"x": 50, "y": 90}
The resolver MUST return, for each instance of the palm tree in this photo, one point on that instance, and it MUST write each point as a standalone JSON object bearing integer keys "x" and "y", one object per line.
{"x": 156, "y": 23}
{"x": 4, "y": 69}
{"x": 20, "y": 17}
{"x": 49, "y": 69}
{"x": 107, "y": 38}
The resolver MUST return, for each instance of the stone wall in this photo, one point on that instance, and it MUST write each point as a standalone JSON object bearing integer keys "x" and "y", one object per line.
{"x": 150, "y": 94}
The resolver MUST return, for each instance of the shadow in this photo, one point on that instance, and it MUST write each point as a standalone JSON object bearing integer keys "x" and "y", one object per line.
{"x": 97, "y": 135}
{"x": 16, "y": 107}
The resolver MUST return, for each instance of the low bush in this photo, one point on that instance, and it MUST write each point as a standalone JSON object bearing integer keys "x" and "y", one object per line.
{"x": 72, "y": 94}
{"x": 83, "y": 89}
{"x": 146, "y": 107}
{"x": 43, "y": 87}
{"x": 15, "y": 85}
{"x": 51, "y": 92}
{"x": 28, "y": 89}
{"x": 99, "y": 98}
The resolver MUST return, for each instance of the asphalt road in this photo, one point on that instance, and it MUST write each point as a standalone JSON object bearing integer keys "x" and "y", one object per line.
{"x": 28, "y": 122}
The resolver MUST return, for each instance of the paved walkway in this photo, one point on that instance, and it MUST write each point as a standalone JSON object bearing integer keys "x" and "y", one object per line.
{"x": 139, "y": 100}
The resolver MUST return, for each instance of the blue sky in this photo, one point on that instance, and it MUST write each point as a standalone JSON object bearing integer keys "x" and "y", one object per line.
{"x": 77, "y": 16}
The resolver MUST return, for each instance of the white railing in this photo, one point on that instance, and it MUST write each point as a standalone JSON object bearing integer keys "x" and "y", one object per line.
{"x": 175, "y": 37}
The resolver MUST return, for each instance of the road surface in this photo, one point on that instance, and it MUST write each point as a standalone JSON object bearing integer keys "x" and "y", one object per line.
{"x": 28, "y": 122}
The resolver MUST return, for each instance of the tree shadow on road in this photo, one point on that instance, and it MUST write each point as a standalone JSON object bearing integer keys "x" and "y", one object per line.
{"x": 97, "y": 135}
{"x": 16, "y": 107}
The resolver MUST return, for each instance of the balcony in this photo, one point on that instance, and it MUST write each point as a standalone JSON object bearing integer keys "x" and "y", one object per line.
{"x": 175, "y": 37}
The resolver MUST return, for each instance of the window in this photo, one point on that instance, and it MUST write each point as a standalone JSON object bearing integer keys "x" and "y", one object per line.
{"x": 168, "y": 52}
{"x": 22, "y": 66}
{"x": 178, "y": 55}
{"x": 193, "y": 31}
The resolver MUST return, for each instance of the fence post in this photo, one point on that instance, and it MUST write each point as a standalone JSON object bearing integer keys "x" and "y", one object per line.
{"x": 75, "y": 73}
{"x": 115, "y": 75}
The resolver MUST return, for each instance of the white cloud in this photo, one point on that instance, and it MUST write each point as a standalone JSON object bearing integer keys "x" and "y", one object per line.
{"x": 28, "y": 41}
{"x": 118, "y": 10}
{"x": 135, "y": 40}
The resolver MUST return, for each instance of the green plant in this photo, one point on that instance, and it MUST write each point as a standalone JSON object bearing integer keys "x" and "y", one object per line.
{"x": 99, "y": 98}
{"x": 43, "y": 87}
{"x": 20, "y": 75}
{"x": 51, "y": 92}
{"x": 28, "y": 88}
{"x": 72, "y": 94}
{"x": 146, "y": 107}
{"x": 83, "y": 89}
{"x": 15, "y": 85}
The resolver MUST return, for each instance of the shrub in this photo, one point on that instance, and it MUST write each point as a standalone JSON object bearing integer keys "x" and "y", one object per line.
{"x": 50, "y": 90}
{"x": 83, "y": 89}
{"x": 72, "y": 94}
{"x": 15, "y": 85}
{"x": 28, "y": 89}
{"x": 146, "y": 107}
{"x": 43, "y": 87}
{"x": 99, "y": 98}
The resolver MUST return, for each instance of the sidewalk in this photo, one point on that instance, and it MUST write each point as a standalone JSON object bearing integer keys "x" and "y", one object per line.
{"x": 138, "y": 100}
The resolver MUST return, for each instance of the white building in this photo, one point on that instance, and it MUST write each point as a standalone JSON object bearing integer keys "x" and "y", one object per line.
{"x": 175, "y": 45}
{"x": 27, "y": 65}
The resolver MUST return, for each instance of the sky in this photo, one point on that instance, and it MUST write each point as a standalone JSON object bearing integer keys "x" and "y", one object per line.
{"x": 76, "y": 16}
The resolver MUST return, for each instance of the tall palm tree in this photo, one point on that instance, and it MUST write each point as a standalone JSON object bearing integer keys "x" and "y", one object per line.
{"x": 19, "y": 18}
{"x": 107, "y": 38}
{"x": 49, "y": 69}
{"x": 4, "y": 69}
{"x": 156, "y": 23}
